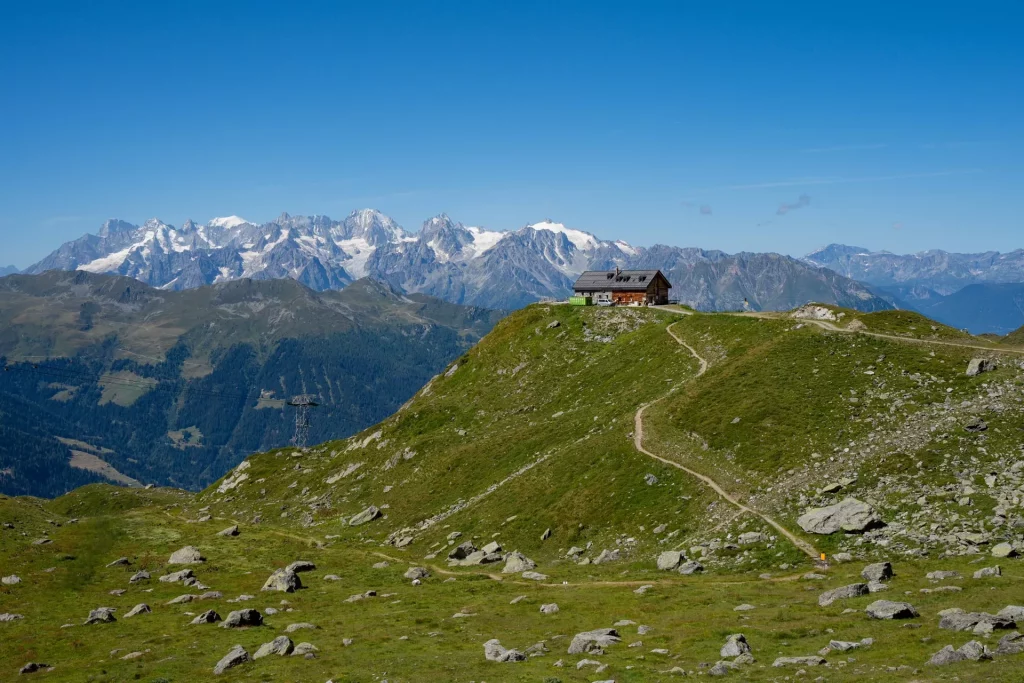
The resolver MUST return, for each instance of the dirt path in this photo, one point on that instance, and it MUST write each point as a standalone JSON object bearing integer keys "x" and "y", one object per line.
{"x": 825, "y": 325}
{"x": 638, "y": 442}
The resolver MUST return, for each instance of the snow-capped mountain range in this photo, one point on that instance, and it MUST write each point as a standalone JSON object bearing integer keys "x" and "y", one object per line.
{"x": 462, "y": 264}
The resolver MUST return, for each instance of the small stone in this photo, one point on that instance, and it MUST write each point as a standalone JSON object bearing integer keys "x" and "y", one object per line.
{"x": 230, "y": 531}
{"x": 549, "y": 608}
{"x": 988, "y": 572}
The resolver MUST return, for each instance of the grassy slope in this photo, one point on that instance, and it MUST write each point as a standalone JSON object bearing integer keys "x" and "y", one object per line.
{"x": 1015, "y": 338}
{"x": 761, "y": 371}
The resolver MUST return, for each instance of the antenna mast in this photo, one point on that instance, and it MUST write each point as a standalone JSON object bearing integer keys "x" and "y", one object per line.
{"x": 302, "y": 403}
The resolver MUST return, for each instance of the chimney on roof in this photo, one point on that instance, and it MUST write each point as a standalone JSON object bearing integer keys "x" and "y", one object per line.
{"x": 617, "y": 271}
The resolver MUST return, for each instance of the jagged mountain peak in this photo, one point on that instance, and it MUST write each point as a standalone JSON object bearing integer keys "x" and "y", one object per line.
{"x": 230, "y": 221}
{"x": 114, "y": 226}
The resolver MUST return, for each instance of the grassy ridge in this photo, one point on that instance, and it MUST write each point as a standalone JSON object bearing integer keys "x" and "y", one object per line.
{"x": 562, "y": 399}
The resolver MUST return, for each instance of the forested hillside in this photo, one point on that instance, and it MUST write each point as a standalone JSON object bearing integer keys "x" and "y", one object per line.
{"x": 107, "y": 378}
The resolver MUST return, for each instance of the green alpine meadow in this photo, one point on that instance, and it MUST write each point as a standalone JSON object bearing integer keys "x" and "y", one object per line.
{"x": 587, "y": 494}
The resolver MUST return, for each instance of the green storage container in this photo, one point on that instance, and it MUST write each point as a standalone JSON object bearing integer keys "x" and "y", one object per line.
{"x": 581, "y": 301}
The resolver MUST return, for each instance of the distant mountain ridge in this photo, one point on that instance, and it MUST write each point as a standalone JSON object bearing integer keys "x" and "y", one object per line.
{"x": 8, "y": 270}
{"x": 941, "y": 271}
{"x": 458, "y": 263}
{"x": 978, "y": 292}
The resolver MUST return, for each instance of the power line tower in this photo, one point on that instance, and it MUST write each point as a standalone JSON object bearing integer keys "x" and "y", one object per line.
{"x": 303, "y": 403}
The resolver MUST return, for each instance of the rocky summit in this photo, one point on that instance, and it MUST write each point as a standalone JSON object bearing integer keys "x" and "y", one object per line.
{"x": 631, "y": 494}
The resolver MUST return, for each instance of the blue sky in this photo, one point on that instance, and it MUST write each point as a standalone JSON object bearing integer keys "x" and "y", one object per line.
{"x": 739, "y": 126}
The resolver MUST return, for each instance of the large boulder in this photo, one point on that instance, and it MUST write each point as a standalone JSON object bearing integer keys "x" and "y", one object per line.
{"x": 494, "y": 652}
{"x": 237, "y": 655}
{"x": 415, "y": 573}
{"x": 946, "y": 655}
{"x": 849, "y": 515}
{"x": 880, "y": 571}
{"x": 852, "y": 591}
{"x": 368, "y": 515}
{"x": 187, "y": 555}
{"x": 462, "y": 551}
{"x": 588, "y": 641}
{"x": 735, "y": 645}
{"x": 691, "y": 567}
{"x": 670, "y": 559}
{"x": 969, "y": 621}
{"x": 1011, "y": 644}
{"x": 175, "y": 577}
{"x": 284, "y": 581}
{"x": 971, "y": 650}
{"x": 243, "y": 618}
{"x": 208, "y": 617}
{"x": 1003, "y": 550}
{"x": 980, "y": 365}
{"x": 281, "y": 646}
{"x": 887, "y": 609}
{"x": 516, "y": 563}
{"x": 101, "y": 615}
{"x": 230, "y": 531}
{"x": 141, "y": 608}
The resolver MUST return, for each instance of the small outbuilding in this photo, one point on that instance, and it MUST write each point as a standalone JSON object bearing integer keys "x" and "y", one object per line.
{"x": 623, "y": 287}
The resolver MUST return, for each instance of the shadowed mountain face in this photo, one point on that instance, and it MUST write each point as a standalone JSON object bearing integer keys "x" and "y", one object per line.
{"x": 457, "y": 263}
{"x": 993, "y": 308}
{"x": 106, "y": 377}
